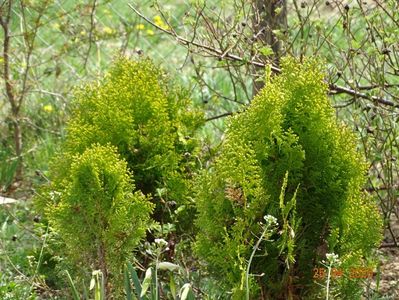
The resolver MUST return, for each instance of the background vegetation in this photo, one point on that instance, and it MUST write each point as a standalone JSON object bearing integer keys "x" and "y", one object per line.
{"x": 217, "y": 51}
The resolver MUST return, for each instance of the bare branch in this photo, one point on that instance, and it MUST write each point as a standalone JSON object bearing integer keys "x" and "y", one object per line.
{"x": 220, "y": 54}
{"x": 336, "y": 89}
{"x": 219, "y": 116}
{"x": 92, "y": 28}
{"x": 6, "y": 55}
{"x": 216, "y": 52}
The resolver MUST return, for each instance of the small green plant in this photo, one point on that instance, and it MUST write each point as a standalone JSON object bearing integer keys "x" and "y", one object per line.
{"x": 98, "y": 213}
{"x": 97, "y": 285}
{"x": 18, "y": 268}
{"x": 149, "y": 288}
{"x": 330, "y": 262}
{"x": 269, "y": 228}
{"x": 75, "y": 293}
{"x": 289, "y": 129}
{"x": 153, "y": 285}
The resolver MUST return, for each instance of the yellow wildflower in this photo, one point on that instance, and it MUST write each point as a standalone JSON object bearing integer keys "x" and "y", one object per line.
{"x": 48, "y": 108}
{"x": 160, "y": 23}
{"x": 108, "y": 30}
{"x": 158, "y": 19}
{"x": 150, "y": 32}
{"x": 56, "y": 26}
{"x": 140, "y": 27}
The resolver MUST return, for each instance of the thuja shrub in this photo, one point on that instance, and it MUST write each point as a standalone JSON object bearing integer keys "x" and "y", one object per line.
{"x": 98, "y": 213}
{"x": 152, "y": 124}
{"x": 287, "y": 157}
{"x": 130, "y": 140}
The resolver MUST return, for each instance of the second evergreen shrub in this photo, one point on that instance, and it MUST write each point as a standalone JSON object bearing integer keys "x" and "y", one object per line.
{"x": 289, "y": 128}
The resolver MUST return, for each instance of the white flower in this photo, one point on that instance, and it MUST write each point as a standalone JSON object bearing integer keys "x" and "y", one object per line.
{"x": 161, "y": 242}
{"x": 332, "y": 258}
{"x": 54, "y": 195}
{"x": 270, "y": 220}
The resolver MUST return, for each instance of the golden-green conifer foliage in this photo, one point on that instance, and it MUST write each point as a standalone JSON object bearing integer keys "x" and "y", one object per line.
{"x": 289, "y": 127}
{"x": 130, "y": 141}
{"x": 98, "y": 213}
{"x": 151, "y": 123}
{"x": 149, "y": 120}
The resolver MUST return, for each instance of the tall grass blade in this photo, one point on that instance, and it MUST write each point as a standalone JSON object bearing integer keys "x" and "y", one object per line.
{"x": 136, "y": 281}
{"x": 102, "y": 294}
{"x": 75, "y": 293}
{"x": 184, "y": 291}
{"x": 85, "y": 292}
{"x": 154, "y": 283}
{"x": 147, "y": 282}
{"x": 128, "y": 289}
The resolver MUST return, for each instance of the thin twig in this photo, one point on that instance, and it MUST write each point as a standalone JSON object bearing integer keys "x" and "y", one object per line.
{"x": 92, "y": 28}
{"x": 212, "y": 50}
{"x": 334, "y": 89}
{"x": 388, "y": 245}
{"x": 219, "y": 116}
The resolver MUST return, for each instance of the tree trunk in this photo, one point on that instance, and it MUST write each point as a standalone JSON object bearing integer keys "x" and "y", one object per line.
{"x": 5, "y": 17}
{"x": 269, "y": 15}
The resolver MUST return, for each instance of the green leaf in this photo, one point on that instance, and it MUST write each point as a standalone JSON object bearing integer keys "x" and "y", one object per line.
{"x": 85, "y": 292}
{"x": 128, "y": 289}
{"x": 266, "y": 51}
{"x": 102, "y": 286}
{"x": 97, "y": 293}
{"x": 168, "y": 266}
{"x": 184, "y": 291}
{"x": 155, "y": 288}
{"x": 75, "y": 293}
{"x": 92, "y": 283}
{"x": 136, "y": 281}
{"x": 180, "y": 209}
{"x": 172, "y": 286}
{"x": 146, "y": 282}
{"x": 278, "y": 10}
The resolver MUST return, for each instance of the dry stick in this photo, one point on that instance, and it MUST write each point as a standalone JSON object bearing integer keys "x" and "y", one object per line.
{"x": 92, "y": 28}
{"x": 334, "y": 89}
{"x": 388, "y": 245}
{"x": 219, "y": 116}
{"x": 204, "y": 83}
{"x": 212, "y": 50}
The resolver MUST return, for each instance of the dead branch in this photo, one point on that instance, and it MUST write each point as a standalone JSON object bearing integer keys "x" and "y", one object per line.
{"x": 223, "y": 54}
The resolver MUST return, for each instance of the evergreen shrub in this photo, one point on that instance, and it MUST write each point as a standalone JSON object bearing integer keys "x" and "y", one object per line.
{"x": 130, "y": 140}
{"x": 152, "y": 124}
{"x": 98, "y": 213}
{"x": 286, "y": 146}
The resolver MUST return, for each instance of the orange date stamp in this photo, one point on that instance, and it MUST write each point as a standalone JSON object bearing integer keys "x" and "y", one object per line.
{"x": 354, "y": 273}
